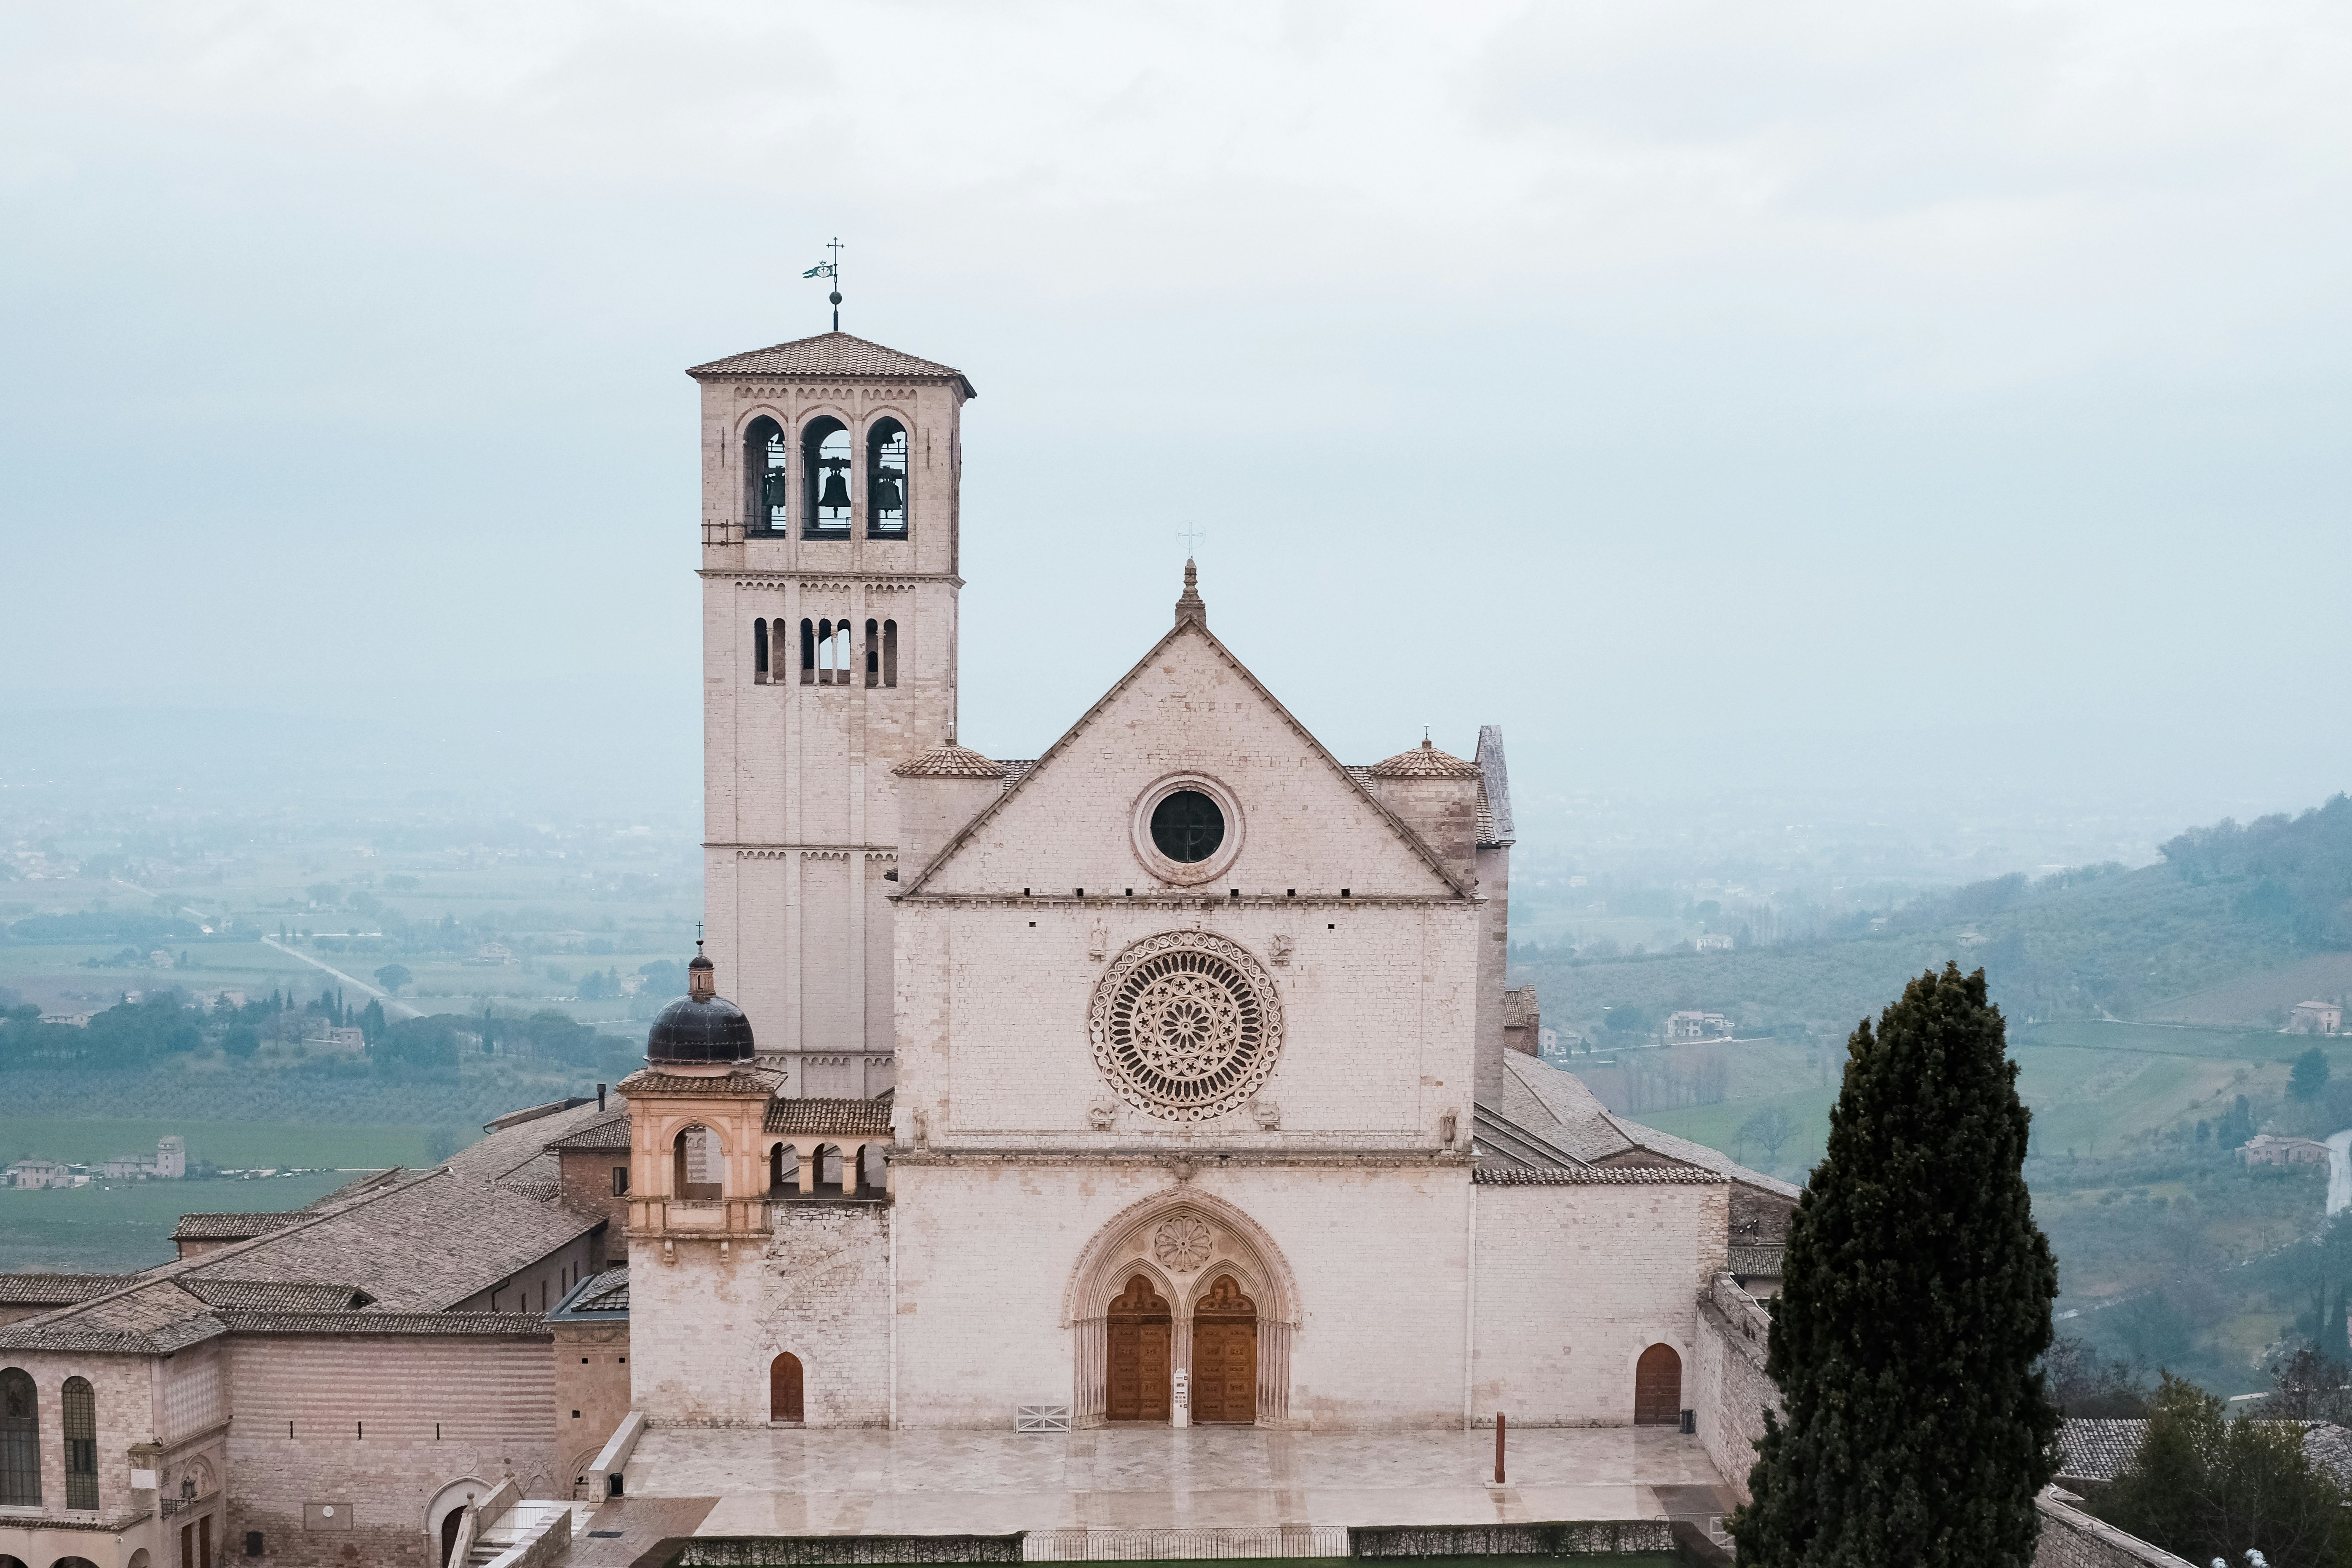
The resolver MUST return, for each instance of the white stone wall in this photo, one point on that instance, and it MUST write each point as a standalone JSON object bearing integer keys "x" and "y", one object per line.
{"x": 708, "y": 1326}
{"x": 1733, "y": 1391}
{"x": 988, "y": 1254}
{"x": 1574, "y": 1282}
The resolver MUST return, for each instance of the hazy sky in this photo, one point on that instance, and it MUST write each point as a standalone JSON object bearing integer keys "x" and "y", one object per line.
{"x": 1951, "y": 397}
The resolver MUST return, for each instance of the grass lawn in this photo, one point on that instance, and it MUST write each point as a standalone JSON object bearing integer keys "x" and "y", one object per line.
{"x": 116, "y": 1227}
{"x": 229, "y": 1145}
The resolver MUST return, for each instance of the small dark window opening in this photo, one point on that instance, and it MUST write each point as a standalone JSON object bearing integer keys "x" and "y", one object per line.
{"x": 886, "y": 480}
{"x": 808, "y": 653}
{"x": 890, "y": 653}
{"x": 760, "y": 652}
{"x": 613, "y": 1484}
{"x": 620, "y": 1181}
{"x": 1187, "y": 826}
{"x": 1343, "y": 892}
{"x": 765, "y": 487}
{"x": 873, "y": 653}
{"x": 824, "y": 463}
{"x": 253, "y": 1544}
{"x": 20, "y": 1440}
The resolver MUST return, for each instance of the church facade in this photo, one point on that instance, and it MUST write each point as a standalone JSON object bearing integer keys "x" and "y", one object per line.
{"x": 1168, "y": 1077}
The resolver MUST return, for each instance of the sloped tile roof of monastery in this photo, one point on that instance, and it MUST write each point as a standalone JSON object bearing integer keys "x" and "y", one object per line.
{"x": 517, "y": 1151}
{"x": 239, "y": 1321}
{"x": 599, "y": 1297}
{"x": 949, "y": 761}
{"x": 1423, "y": 762}
{"x": 1752, "y": 1262}
{"x": 1699, "y": 1155}
{"x": 151, "y": 1319}
{"x": 613, "y": 1132}
{"x": 848, "y": 1117}
{"x": 833, "y": 353}
{"x": 277, "y": 1295}
{"x": 1592, "y": 1176}
{"x": 57, "y": 1289}
{"x": 2097, "y": 1449}
{"x": 232, "y": 1226}
{"x": 424, "y": 1246}
{"x": 1558, "y": 1106}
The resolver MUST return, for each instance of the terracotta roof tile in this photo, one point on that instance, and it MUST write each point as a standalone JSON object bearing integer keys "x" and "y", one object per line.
{"x": 1594, "y": 1176}
{"x": 833, "y": 353}
{"x": 649, "y": 1082}
{"x": 276, "y": 1296}
{"x": 344, "y": 1324}
{"x": 613, "y": 1132}
{"x": 232, "y": 1226}
{"x": 949, "y": 761}
{"x": 57, "y": 1289}
{"x": 1425, "y": 761}
{"x": 848, "y": 1117}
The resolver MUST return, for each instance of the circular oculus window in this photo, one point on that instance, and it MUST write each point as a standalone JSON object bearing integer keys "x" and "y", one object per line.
{"x": 1187, "y": 829}
{"x": 1186, "y": 1025}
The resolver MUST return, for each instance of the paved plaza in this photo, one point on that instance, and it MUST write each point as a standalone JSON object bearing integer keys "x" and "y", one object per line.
{"x": 1157, "y": 1479}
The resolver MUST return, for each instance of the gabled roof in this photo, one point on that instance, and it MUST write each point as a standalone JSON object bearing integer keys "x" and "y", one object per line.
{"x": 1556, "y": 1106}
{"x": 832, "y": 353}
{"x": 1495, "y": 825}
{"x": 231, "y": 1226}
{"x": 1186, "y": 627}
{"x": 57, "y": 1289}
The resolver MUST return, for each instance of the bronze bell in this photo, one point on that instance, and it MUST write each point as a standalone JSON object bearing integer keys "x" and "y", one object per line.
{"x": 836, "y": 488}
{"x": 887, "y": 496}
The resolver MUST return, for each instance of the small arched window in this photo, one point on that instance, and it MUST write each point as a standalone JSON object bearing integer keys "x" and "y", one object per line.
{"x": 824, "y": 468}
{"x": 784, "y": 1169}
{"x": 890, "y": 653}
{"x": 760, "y": 651}
{"x": 873, "y": 653}
{"x": 81, "y": 1412}
{"x": 767, "y": 488}
{"x": 887, "y": 481}
{"x": 808, "y": 652}
{"x": 20, "y": 1440}
{"x": 695, "y": 1163}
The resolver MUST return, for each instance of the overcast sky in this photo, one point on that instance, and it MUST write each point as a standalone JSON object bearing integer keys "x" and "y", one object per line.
{"x": 1940, "y": 396}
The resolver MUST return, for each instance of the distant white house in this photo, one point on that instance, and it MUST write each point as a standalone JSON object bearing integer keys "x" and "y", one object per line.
{"x": 1712, "y": 942}
{"x": 40, "y": 1174}
{"x": 2262, "y": 1148}
{"x": 168, "y": 1164}
{"x": 2316, "y": 1018}
{"x": 1689, "y": 1025}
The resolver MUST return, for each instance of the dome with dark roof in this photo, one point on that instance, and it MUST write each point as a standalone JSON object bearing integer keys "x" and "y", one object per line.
{"x": 691, "y": 1033}
{"x": 703, "y": 1029}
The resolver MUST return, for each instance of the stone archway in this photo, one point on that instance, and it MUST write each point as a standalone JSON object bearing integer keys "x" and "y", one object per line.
{"x": 1204, "y": 1261}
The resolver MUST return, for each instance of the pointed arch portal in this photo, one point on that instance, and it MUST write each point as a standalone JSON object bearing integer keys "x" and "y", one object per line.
{"x": 1183, "y": 1280}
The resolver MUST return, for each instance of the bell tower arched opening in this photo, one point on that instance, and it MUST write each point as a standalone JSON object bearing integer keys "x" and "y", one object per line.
{"x": 767, "y": 487}
{"x": 887, "y": 481}
{"x": 825, "y": 468}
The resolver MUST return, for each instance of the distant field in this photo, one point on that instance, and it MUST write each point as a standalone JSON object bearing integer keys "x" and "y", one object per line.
{"x": 2253, "y": 998}
{"x": 240, "y": 1144}
{"x": 121, "y": 1226}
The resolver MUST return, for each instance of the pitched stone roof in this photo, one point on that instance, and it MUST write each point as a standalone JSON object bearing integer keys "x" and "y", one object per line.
{"x": 832, "y": 353}
{"x": 613, "y": 1132}
{"x": 232, "y": 1226}
{"x": 1752, "y": 1262}
{"x": 517, "y": 1150}
{"x": 847, "y": 1118}
{"x": 155, "y": 1319}
{"x": 57, "y": 1289}
{"x": 1495, "y": 825}
{"x": 949, "y": 761}
{"x": 2097, "y": 1449}
{"x": 340, "y": 1324}
{"x": 1592, "y": 1176}
{"x": 599, "y": 1298}
{"x": 1425, "y": 761}
{"x": 649, "y": 1082}
{"x": 1558, "y": 1107}
{"x": 276, "y": 1296}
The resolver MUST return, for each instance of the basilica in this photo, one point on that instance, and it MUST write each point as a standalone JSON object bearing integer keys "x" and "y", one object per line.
{"x": 1170, "y": 1076}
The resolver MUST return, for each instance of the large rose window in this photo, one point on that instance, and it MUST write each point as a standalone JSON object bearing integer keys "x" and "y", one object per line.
{"x": 1186, "y": 1025}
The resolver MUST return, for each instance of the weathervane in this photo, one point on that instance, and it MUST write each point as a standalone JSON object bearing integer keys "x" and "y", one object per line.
{"x": 831, "y": 269}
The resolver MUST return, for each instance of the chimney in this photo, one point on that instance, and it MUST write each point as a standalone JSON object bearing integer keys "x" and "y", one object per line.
{"x": 600, "y": 1097}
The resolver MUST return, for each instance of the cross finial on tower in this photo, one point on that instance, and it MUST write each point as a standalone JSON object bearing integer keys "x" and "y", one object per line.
{"x": 1190, "y": 606}
{"x": 831, "y": 269}
{"x": 1192, "y": 533}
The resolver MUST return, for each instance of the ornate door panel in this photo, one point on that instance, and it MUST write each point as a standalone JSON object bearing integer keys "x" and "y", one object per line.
{"x": 1658, "y": 1387}
{"x": 1140, "y": 1327}
{"x": 1225, "y": 1355}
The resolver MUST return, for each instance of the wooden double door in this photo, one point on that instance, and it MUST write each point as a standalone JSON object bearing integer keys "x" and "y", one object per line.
{"x": 1658, "y": 1387}
{"x": 1142, "y": 1355}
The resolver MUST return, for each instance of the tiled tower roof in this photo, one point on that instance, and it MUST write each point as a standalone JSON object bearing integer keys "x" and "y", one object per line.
{"x": 1425, "y": 761}
{"x": 949, "y": 761}
{"x": 833, "y": 353}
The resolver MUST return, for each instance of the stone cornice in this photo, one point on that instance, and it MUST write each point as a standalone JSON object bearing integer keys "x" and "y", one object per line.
{"x": 1186, "y": 1163}
{"x": 1194, "y": 900}
{"x": 830, "y": 575}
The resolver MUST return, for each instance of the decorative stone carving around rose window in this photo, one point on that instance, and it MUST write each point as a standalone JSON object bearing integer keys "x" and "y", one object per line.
{"x": 1186, "y": 1025}
{"x": 1183, "y": 1243}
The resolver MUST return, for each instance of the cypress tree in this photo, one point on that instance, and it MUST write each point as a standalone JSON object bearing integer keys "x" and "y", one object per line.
{"x": 1914, "y": 1301}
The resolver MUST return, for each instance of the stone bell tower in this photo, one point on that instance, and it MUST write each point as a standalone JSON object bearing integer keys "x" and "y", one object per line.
{"x": 829, "y": 467}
